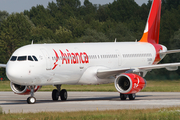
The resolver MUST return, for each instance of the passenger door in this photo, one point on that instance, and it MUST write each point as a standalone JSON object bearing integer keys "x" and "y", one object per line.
{"x": 48, "y": 59}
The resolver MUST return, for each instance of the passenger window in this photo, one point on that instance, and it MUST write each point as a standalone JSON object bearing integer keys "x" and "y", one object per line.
{"x": 13, "y": 58}
{"x": 35, "y": 58}
{"x": 30, "y": 58}
{"x": 22, "y": 58}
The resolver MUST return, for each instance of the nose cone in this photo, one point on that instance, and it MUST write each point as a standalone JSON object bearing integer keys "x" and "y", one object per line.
{"x": 12, "y": 72}
{"x": 15, "y": 73}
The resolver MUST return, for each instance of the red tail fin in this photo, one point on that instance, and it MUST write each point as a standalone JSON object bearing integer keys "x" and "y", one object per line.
{"x": 151, "y": 32}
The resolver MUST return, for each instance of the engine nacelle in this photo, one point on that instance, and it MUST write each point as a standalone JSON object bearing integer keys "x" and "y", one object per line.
{"x": 129, "y": 83}
{"x": 22, "y": 90}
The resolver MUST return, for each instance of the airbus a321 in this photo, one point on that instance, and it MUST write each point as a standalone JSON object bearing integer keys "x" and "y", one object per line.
{"x": 122, "y": 63}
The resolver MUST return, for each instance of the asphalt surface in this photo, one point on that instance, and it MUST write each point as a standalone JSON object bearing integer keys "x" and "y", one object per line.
{"x": 87, "y": 101}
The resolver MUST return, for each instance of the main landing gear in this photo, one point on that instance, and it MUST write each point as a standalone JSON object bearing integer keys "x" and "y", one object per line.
{"x": 58, "y": 92}
{"x": 124, "y": 96}
{"x": 31, "y": 99}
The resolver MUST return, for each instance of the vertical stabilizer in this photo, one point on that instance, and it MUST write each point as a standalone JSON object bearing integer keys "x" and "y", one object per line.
{"x": 151, "y": 32}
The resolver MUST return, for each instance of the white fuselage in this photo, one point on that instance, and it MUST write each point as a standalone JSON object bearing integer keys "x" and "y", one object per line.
{"x": 75, "y": 63}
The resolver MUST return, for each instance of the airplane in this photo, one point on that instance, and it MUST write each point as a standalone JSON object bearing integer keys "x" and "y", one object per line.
{"x": 123, "y": 63}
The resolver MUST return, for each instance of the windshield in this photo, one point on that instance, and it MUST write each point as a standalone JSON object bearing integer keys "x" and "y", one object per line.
{"x": 24, "y": 58}
{"x": 13, "y": 58}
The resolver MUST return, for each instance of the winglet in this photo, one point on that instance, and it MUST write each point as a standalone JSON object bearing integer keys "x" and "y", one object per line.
{"x": 151, "y": 32}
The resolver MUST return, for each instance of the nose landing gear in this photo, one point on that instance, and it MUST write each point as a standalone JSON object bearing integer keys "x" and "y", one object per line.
{"x": 31, "y": 99}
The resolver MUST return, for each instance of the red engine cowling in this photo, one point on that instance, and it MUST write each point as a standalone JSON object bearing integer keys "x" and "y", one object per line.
{"x": 22, "y": 90}
{"x": 129, "y": 83}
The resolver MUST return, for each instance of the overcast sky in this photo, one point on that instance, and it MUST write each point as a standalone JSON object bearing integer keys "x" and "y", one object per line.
{"x": 21, "y": 5}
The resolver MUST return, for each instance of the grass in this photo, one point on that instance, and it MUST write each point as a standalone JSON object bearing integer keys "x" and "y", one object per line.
{"x": 5, "y": 86}
{"x": 148, "y": 114}
{"x": 152, "y": 86}
{"x": 163, "y": 86}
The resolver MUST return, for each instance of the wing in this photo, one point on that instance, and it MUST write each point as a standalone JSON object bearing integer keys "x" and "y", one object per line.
{"x": 169, "y": 66}
{"x": 113, "y": 72}
{"x": 110, "y": 72}
{"x": 3, "y": 65}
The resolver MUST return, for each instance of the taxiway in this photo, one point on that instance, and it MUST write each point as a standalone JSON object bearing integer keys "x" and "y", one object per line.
{"x": 89, "y": 101}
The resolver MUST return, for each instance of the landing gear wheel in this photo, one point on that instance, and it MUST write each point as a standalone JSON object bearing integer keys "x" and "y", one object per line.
{"x": 123, "y": 96}
{"x": 31, "y": 100}
{"x": 132, "y": 96}
{"x": 63, "y": 95}
{"x": 55, "y": 94}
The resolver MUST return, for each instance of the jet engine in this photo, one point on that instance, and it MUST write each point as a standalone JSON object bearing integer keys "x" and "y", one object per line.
{"x": 129, "y": 83}
{"x": 22, "y": 90}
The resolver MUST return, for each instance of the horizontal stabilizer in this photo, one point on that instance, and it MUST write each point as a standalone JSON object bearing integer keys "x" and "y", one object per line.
{"x": 171, "y": 51}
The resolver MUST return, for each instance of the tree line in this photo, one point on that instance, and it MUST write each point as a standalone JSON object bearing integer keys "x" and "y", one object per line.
{"x": 67, "y": 21}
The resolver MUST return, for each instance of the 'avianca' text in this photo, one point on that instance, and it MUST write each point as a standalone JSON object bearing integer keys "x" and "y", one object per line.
{"x": 71, "y": 58}
{"x": 74, "y": 58}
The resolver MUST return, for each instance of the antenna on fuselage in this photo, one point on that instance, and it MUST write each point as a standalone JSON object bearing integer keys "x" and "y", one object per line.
{"x": 115, "y": 40}
{"x": 32, "y": 42}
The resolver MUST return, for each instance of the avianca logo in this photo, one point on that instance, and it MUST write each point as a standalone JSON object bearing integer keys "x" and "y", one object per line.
{"x": 57, "y": 58}
{"x": 71, "y": 58}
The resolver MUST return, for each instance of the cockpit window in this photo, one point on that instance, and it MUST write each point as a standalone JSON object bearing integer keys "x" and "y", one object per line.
{"x": 22, "y": 58}
{"x": 35, "y": 58}
{"x": 30, "y": 58}
{"x": 13, "y": 58}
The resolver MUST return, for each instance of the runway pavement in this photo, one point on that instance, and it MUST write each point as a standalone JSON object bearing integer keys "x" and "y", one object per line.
{"x": 89, "y": 101}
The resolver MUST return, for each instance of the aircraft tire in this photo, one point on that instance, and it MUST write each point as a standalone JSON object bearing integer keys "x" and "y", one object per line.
{"x": 31, "y": 100}
{"x": 123, "y": 96}
{"x": 55, "y": 95}
{"x": 132, "y": 96}
{"x": 63, "y": 95}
